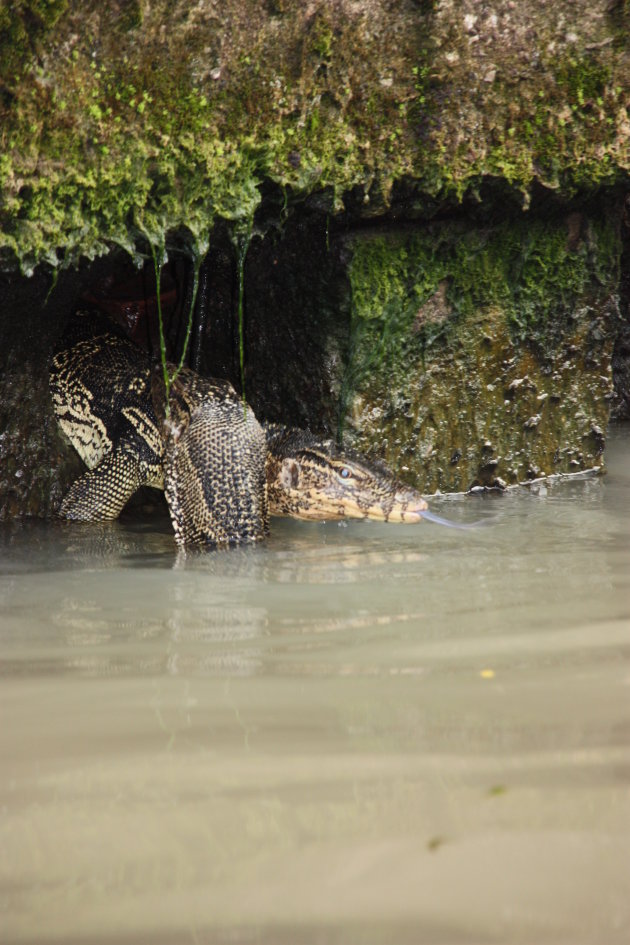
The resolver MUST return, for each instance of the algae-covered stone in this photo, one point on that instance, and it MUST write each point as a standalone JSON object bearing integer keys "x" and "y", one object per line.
{"x": 146, "y": 118}
{"x": 483, "y": 356}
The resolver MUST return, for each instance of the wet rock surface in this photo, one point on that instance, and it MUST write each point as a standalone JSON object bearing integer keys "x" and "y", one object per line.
{"x": 483, "y": 358}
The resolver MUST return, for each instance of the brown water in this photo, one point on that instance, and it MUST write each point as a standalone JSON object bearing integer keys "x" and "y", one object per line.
{"x": 354, "y": 734}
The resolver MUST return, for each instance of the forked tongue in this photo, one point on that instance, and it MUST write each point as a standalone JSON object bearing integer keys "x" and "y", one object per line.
{"x": 438, "y": 520}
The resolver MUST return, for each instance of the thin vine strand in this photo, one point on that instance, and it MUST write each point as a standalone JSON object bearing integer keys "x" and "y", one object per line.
{"x": 165, "y": 373}
{"x": 169, "y": 378}
{"x": 242, "y": 238}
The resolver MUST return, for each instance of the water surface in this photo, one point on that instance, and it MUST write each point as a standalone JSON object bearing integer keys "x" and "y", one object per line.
{"x": 359, "y": 733}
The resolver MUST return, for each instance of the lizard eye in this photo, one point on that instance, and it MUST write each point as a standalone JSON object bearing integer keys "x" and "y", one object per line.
{"x": 345, "y": 473}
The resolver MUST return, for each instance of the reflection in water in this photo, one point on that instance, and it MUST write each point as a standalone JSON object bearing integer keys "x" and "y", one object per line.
{"x": 354, "y": 733}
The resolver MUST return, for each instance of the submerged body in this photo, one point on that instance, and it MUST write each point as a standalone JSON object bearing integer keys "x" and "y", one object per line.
{"x": 223, "y": 473}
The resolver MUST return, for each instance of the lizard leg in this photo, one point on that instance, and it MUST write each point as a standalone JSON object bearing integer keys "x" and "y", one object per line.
{"x": 101, "y": 493}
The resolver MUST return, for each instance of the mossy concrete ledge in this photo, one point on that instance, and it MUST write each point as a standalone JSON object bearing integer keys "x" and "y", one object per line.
{"x": 145, "y": 118}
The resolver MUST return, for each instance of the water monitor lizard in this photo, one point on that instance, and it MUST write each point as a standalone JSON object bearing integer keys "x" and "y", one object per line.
{"x": 222, "y": 472}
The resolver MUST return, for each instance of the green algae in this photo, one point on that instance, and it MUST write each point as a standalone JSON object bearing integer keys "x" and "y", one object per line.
{"x": 120, "y": 166}
{"x": 23, "y": 26}
{"x": 113, "y": 123}
{"x": 482, "y": 356}
{"x": 534, "y": 268}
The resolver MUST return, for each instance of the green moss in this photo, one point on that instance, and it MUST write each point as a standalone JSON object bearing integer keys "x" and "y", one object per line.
{"x": 23, "y": 24}
{"x": 322, "y": 38}
{"x": 449, "y": 324}
{"x": 131, "y": 15}
{"x": 585, "y": 81}
{"x": 111, "y": 124}
{"x": 146, "y": 148}
{"x": 535, "y": 269}
{"x": 129, "y": 167}
{"x": 563, "y": 124}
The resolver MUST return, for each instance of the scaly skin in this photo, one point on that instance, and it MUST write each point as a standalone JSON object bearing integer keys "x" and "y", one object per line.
{"x": 223, "y": 475}
{"x": 313, "y": 479}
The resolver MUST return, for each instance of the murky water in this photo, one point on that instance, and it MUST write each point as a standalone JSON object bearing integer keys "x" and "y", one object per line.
{"x": 354, "y": 734}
